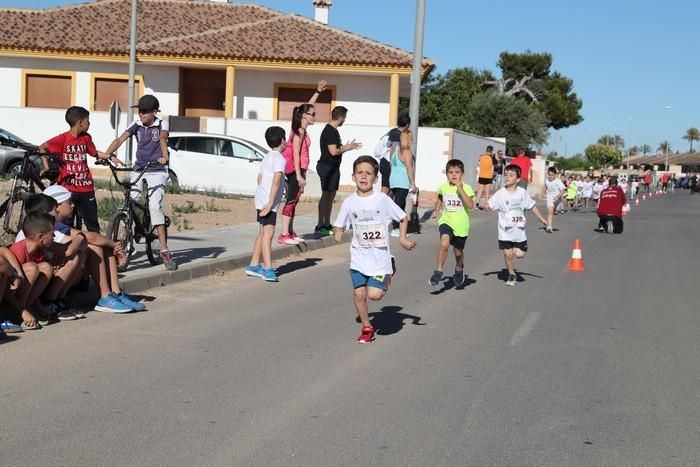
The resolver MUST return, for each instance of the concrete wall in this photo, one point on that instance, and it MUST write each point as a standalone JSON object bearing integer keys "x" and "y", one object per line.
{"x": 367, "y": 97}
{"x": 435, "y": 145}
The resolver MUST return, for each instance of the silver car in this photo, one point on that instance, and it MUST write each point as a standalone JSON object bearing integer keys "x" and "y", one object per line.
{"x": 11, "y": 157}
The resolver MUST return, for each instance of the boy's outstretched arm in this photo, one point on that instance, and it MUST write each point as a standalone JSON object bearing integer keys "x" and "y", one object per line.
{"x": 403, "y": 228}
{"x": 117, "y": 142}
{"x": 438, "y": 205}
{"x": 538, "y": 214}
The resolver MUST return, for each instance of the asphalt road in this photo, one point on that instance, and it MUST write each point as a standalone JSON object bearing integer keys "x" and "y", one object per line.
{"x": 594, "y": 368}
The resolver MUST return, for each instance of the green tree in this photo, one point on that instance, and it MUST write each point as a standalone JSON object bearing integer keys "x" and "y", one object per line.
{"x": 645, "y": 149}
{"x": 528, "y": 76}
{"x": 664, "y": 147}
{"x": 603, "y": 155}
{"x": 612, "y": 140}
{"x": 523, "y": 125}
{"x": 692, "y": 134}
{"x": 444, "y": 97}
{"x": 575, "y": 162}
{"x": 633, "y": 151}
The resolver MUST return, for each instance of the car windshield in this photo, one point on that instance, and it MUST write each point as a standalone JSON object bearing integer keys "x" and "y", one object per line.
{"x": 257, "y": 147}
{"x": 6, "y": 134}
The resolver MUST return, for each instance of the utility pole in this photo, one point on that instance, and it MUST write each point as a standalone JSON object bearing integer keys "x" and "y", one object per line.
{"x": 132, "y": 77}
{"x": 414, "y": 106}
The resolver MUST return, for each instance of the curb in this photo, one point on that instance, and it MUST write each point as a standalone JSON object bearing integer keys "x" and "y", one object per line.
{"x": 190, "y": 271}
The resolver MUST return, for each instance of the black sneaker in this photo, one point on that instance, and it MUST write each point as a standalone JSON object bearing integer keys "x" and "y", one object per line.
{"x": 435, "y": 278}
{"x": 512, "y": 280}
{"x": 459, "y": 278}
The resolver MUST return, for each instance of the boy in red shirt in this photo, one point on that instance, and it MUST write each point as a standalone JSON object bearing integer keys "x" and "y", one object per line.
{"x": 612, "y": 199}
{"x": 74, "y": 146}
{"x": 37, "y": 271}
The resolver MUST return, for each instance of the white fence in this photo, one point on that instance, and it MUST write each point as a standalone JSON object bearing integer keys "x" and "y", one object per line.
{"x": 435, "y": 145}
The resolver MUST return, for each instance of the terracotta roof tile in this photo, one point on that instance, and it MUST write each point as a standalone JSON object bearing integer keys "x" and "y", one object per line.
{"x": 193, "y": 29}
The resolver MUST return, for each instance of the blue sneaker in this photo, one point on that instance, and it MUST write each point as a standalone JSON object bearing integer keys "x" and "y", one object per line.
{"x": 9, "y": 327}
{"x": 111, "y": 304}
{"x": 269, "y": 275}
{"x": 130, "y": 302}
{"x": 254, "y": 270}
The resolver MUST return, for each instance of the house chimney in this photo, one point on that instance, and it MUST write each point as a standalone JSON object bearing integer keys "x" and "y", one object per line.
{"x": 321, "y": 10}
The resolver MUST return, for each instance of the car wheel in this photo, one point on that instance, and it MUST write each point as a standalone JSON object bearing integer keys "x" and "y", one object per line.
{"x": 14, "y": 168}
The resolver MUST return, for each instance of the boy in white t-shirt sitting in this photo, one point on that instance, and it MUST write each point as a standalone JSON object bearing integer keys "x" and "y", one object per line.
{"x": 553, "y": 191}
{"x": 371, "y": 263}
{"x": 267, "y": 200}
{"x": 511, "y": 202}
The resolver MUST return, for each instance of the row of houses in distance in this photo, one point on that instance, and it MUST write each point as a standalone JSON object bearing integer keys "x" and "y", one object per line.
{"x": 216, "y": 67}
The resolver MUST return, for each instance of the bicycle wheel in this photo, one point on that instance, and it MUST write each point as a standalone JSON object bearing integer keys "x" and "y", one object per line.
{"x": 153, "y": 249}
{"x": 14, "y": 209}
{"x": 119, "y": 230}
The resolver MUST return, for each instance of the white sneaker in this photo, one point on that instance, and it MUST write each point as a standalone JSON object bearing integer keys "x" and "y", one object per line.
{"x": 549, "y": 229}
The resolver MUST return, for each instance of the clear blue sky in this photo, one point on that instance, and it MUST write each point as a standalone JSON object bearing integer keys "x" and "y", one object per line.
{"x": 629, "y": 59}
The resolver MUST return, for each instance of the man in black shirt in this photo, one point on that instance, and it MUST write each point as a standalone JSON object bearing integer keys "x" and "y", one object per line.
{"x": 328, "y": 167}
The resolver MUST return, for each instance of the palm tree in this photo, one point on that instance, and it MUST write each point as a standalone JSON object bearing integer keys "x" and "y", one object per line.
{"x": 633, "y": 151}
{"x": 692, "y": 134}
{"x": 664, "y": 147}
{"x": 645, "y": 149}
{"x": 612, "y": 140}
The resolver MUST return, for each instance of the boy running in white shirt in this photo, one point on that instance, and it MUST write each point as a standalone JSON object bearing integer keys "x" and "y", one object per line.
{"x": 371, "y": 263}
{"x": 553, "y": 190}
{"x": 267, "y": 200}
{"x": 511, "y": 202}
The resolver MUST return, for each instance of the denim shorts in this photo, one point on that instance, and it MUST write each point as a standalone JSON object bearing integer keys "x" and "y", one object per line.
{"x": 361, "y": 280}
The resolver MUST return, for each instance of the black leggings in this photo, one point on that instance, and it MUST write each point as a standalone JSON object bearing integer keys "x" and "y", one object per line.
{"x": 293, "y": 194}
{"x": 618, "y": 225}
{"x": 400, "y": 195}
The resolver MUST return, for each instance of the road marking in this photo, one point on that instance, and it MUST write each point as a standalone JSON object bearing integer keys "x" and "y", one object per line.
{"x": 525, "y": 328}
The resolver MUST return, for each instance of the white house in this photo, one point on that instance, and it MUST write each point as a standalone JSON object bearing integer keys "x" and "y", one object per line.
{"x": 215, "y": 67}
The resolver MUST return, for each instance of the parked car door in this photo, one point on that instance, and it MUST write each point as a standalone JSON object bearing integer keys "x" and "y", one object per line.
{"x": 196, "y": 162}
{"x": 240, "y": 165}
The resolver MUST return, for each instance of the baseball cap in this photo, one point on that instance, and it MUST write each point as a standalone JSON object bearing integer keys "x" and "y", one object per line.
{"x": 58, "y": 192}
{"x": 147, "y": 103}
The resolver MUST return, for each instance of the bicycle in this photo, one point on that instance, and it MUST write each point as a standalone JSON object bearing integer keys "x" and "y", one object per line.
{"x": 132, "y": 221}
{"x": 26, "y": 181}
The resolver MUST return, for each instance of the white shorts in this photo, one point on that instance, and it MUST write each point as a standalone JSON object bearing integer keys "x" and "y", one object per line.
{"x": 156, "y": 190}
{"x": 551, "y": 201}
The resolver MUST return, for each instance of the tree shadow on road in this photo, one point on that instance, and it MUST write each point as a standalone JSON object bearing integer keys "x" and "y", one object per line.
{"x": 503, "y": 275}
{"x": 449, "y": 283}
{"x": 388, "y": 320}
{"x": 297, "y": 265}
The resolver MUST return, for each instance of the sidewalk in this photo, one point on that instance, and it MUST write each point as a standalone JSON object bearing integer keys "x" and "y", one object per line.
{"x": 202, "y": 253}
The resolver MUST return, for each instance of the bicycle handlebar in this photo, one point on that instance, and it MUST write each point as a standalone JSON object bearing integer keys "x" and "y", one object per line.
{"x": 115, "y": 170}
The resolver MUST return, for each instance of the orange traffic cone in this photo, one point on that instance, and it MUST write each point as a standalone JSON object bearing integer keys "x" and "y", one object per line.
{"x": 576, "y": 262}
{"x": 636, "y": 202}
{"x": 626, "y": 210}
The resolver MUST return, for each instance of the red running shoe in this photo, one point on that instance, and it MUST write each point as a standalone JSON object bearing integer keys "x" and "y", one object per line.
{"x": 366, "y": 336}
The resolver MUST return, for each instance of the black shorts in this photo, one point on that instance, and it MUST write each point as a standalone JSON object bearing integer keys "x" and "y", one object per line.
{"x": 85, "y": 204}
{"x": 385, "y": 171}
{"x": 270, "y": 219}
{"x": 507, "y": 245}
{"x": 329, "y": 175}
{"x": 485, "y": 181}
{"x": 457, "y": 242}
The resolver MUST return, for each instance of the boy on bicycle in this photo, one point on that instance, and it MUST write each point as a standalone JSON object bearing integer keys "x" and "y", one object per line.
{"x": 152, "y": 146}
{"x": 74, "y": 146}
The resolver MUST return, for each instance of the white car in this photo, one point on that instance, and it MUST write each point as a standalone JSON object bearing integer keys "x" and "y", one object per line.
{"x": 210, "y": 162}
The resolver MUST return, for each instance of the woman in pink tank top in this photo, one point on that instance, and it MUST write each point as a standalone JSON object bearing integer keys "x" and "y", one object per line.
{"x": 297, "y": 156}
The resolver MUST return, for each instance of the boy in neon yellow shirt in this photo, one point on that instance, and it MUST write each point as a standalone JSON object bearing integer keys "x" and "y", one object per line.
{"x": 454, "y": 198}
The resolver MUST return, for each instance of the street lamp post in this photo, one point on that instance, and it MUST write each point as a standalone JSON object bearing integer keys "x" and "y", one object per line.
{"x": 132, "y": 75}
{"x": 668, "y": 107}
